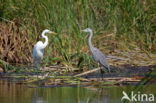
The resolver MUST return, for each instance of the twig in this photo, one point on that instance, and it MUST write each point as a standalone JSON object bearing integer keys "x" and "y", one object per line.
{"x": 117, "y": 58}
{"x": 7, "y": 20}
{"x": 117, "y": 79}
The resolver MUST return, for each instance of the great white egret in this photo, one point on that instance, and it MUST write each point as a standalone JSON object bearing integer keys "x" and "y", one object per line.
{"x": 38, "y": 50}
{"x": 98, "y": 56}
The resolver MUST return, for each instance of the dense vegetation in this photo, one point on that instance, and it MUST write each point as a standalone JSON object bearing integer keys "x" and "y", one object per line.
{"x": 21, "y": 22}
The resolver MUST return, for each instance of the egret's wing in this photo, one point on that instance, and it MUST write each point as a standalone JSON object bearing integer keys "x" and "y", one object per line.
{"x": 34, "y": 53}
{"x": 36, "y": 47}
{"x": 42, "y": 50}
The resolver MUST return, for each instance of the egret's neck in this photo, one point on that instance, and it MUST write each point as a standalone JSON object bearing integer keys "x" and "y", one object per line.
{"x": 46, "y": 40}
{"x": 90, "y": 40}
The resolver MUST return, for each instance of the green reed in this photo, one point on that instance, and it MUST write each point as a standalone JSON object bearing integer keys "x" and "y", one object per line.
{"x": 132, "y": 19}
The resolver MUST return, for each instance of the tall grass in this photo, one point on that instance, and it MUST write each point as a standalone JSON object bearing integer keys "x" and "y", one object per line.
{"x": 132, "y": 19}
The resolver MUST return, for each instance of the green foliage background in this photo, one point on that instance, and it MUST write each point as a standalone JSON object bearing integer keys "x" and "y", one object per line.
{"x": 134, "y": 20}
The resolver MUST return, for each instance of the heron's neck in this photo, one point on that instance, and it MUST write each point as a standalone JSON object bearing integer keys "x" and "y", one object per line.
{"x": 46, "y": 40}
{"x": 90, "y": 40}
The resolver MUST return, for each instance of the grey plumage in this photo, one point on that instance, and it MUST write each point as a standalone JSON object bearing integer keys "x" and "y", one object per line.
{"x": 98, "y": 56}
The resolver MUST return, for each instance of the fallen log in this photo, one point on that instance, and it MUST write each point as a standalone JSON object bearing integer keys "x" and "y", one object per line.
{"x": 87, "y": 72}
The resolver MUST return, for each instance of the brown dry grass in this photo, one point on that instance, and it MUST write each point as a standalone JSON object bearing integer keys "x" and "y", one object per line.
{"x": 15, "y": 47}
{"x": 129, "y": 52}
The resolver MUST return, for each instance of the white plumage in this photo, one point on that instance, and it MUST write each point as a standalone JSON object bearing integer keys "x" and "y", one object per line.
{"x": 38, "y": 50}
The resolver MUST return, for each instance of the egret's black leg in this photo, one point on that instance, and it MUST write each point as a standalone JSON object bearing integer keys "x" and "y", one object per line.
{"x": 37, "y": 67}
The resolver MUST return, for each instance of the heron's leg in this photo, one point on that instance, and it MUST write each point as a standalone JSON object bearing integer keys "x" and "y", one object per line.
{"x": 102, "y": 72}
{"x": 98, "y": 71}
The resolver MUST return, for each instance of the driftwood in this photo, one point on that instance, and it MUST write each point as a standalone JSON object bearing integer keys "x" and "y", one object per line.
{"x": 87, "y": 72}
{"x": 118, "y": 79}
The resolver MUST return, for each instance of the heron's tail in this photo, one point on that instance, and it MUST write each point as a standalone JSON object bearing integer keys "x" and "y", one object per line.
{"x": 107, "y": 67}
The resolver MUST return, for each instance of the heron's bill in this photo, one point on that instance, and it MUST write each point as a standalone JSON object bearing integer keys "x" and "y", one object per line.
{"x": 82, "y": 30}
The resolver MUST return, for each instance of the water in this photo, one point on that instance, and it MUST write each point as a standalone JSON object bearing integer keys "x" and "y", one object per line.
{"x": 11, "y": 92}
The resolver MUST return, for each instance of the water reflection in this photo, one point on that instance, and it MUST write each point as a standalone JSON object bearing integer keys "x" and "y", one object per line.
{"x": 19, "y": 93}
{"x": 36, "y": 98}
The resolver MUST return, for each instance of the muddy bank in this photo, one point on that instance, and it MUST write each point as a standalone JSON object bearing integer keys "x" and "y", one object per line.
{"x": 56, "y": 77}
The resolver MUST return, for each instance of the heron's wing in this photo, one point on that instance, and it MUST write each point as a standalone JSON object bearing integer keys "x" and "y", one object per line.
{"x": 100, "y": 57}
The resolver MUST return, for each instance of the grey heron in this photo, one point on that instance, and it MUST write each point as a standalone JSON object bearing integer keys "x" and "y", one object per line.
{"x": 98, "y": 56}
